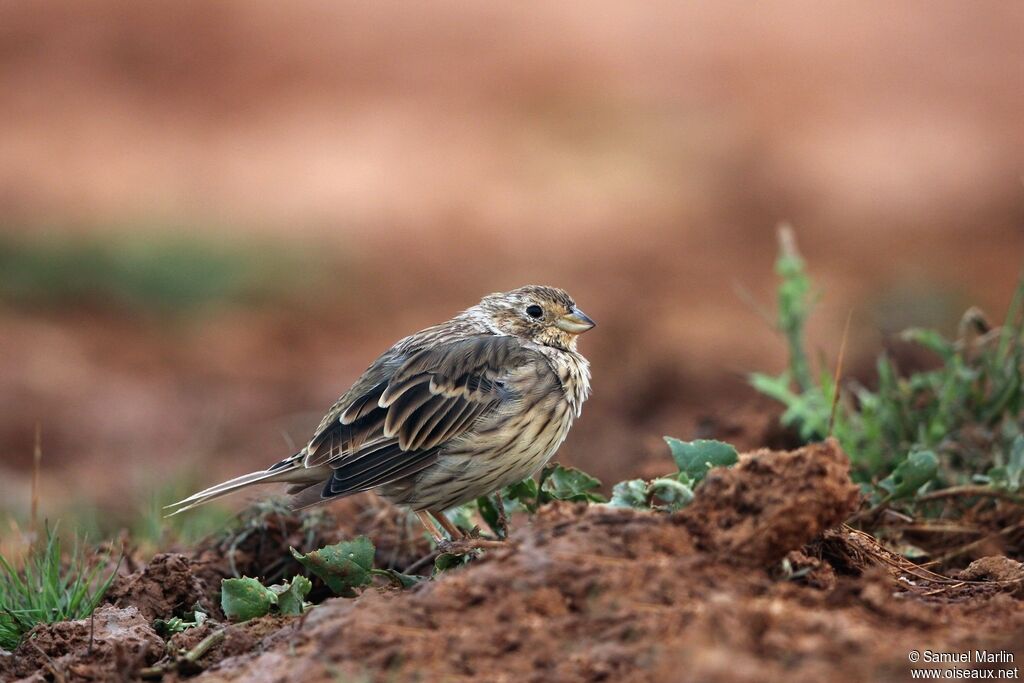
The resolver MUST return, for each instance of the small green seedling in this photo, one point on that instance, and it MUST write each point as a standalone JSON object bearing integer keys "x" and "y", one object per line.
{"x": 246, "y": 598}
{"x": 291, "y": 595}
{"x": 169, "y": 627}
{"x": 668, "y": 494}
{"x": 556, "y": 483}
{"x": 675, "y": 491}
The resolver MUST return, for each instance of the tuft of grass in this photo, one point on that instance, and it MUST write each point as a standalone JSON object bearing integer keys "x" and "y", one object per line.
{"x": 47, "y": 590}
{"x": 957, "y": 424}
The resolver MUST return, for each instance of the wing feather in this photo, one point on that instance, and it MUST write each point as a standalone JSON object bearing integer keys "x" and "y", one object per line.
{"x": 399, "y": 420}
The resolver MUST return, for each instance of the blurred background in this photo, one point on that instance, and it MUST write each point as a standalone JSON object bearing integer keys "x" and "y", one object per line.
{"x": 214, "y": 216}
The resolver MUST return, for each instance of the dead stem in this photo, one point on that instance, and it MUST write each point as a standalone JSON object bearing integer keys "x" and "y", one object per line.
{"x": 190, "y": 657}
{"x": 968, "y": 491}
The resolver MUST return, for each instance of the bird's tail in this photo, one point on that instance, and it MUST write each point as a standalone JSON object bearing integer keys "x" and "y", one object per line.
{"x": 288, "y": 470}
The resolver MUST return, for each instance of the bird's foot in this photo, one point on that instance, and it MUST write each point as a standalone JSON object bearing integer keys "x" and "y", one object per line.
{"x": 468, "y": 544}
{"x": 499, "y": 504}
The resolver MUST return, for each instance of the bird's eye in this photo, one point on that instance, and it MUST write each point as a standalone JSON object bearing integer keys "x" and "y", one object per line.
{"x": 534, "y": 311}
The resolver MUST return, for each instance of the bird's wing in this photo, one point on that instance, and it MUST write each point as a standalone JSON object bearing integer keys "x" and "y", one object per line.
{"x": 401, "y": 414}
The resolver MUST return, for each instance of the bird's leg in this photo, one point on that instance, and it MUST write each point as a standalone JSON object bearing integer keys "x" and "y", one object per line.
{"x": 428, "y": 524}
{"x": 499, "y": 503}
{"x": 453, "y": 531}
{"x": 460, "y": 543}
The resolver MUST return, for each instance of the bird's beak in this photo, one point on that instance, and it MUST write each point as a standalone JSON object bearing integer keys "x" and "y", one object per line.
{"x": 575, "y": 322}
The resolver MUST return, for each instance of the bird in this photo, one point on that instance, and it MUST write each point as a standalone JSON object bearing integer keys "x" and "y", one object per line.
{"x": 451, "y": 413}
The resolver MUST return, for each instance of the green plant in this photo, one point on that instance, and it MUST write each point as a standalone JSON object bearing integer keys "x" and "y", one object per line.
{"x": 46, "y": 590}
{"x": 556, "y": 482}
{"x": 345, "y": 567}
{"x": 674, "y": 491}
{"x": 956, "y": 424}
{"x": 168, "y": 627}
{"x": 246, "y": 598}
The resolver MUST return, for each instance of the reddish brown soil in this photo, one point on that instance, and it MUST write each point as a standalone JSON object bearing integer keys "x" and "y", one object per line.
{"x": 595, "y": 593}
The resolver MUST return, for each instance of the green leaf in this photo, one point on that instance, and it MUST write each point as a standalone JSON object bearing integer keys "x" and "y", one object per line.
{"x": 917, "y": 470}
{"x": 168, "y": 627}
{"x": 489, "y": 512}
{"x": 673, "y": 492}
{"x": 291, "y": 596}
{"x": 524, "y": 493}
{"x": 245, "y": 598}
{"x": 695, "y": 458}
{"x": 397, "y": 578}
{"x": 344, "y": 566}
{"x": 569, "y": 483}
{"x": 630, "y": 494}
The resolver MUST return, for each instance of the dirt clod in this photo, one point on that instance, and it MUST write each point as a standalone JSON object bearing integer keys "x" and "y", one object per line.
{"x": 772, "y": 502}
{"x": 166, "y": 587}
{"x": 997, "y": 568}
{"x": 109, "y": 646}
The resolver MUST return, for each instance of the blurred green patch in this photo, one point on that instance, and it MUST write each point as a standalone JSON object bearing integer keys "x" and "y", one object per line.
{"x": 160, "y": 273}
{"x": 151, "y": 528}
{"x": 143, "y": 518}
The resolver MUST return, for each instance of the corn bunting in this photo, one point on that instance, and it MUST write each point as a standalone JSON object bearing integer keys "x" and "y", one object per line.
{"x": 456, "y": 411}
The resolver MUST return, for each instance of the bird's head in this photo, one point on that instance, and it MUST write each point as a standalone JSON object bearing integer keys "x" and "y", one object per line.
{"x": 544, "y": 315}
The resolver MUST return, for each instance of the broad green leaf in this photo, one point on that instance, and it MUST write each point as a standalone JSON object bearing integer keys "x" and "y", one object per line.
{"x": 344, "y": 566}
{"x": 245, "y": 598}
{"x": 695, "y": 458}
{"x": 291, "y": 596}
{"x": 917, "y": 470}
{"x": 569, "y": 483}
